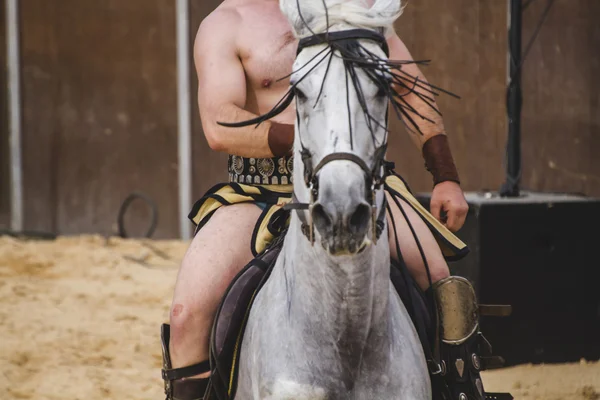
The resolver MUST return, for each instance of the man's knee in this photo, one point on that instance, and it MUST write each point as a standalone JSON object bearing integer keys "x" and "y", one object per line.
{"x": 439, "y": 271}
{"x": 194, "y": 305}
{"x": 191, "y": 320}
{"x": 185, "y": 317}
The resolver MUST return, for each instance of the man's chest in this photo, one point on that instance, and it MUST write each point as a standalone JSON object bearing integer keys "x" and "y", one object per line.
{"x": 268, "y": 52}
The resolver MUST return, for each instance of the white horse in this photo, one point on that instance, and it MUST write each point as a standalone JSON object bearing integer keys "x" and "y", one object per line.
{"x": 328, "y": 324}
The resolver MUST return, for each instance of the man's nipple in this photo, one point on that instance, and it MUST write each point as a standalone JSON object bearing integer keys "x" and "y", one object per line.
{"x": 266, "y": 83}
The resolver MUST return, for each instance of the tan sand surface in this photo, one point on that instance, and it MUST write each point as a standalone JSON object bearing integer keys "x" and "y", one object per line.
{"x": 80, "y": 319}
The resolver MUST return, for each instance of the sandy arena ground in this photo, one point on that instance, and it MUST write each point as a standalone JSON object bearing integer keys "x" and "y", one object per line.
{"x": 80, "y": 319}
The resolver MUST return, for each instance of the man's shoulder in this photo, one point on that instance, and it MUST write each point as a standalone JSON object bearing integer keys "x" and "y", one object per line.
{"x": 230, "y": 13}
{"x": 219, "y": 28}
{"x": 223, "y": 26}
{"x": 224, "y": 17}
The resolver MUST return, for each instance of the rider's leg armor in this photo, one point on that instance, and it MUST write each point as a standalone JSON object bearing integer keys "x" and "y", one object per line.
{"x": 461, "y": 342}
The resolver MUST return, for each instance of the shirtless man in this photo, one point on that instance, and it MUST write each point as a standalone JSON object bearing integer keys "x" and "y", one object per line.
{"x": 241, "y": 49}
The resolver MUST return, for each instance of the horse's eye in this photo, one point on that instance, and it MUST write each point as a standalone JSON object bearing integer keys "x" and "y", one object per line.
{"x": 299, "y": 94}
{"x": 384, "y": 86}
{"x": 382, "y": 92}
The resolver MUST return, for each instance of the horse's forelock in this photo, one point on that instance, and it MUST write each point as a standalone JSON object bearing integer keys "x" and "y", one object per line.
{"x": 308, "y": 16}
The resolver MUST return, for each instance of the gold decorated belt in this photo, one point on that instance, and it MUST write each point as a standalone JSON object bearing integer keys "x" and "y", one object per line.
{"x": 261, "y": 171}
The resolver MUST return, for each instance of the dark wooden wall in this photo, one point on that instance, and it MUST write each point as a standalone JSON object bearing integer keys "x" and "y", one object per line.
{"x": 466, "y": 43}
{"x": 99, "y": 95}
{"x": 99, "y": 104}
{"x": 561, "y": 89}
{"x": 4, "y": 160}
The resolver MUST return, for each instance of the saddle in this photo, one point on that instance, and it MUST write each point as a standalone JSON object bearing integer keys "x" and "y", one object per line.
{"x": 232, "y": 315}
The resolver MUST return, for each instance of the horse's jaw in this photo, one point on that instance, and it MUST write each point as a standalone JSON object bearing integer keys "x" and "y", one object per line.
{"x": 339, "y": 301}
{"x": 365, "y": 274}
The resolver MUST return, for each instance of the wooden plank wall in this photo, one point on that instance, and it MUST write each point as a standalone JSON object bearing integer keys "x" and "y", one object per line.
{"x": 4, "y": 161}
{"x": 466, "y": 43}
{"x": 99, "y": 95}
{"x": 561, "y": 90}
{"x": 99, "y": 103}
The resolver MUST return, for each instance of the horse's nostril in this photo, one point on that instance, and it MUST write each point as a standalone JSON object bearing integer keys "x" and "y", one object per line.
{"x": 359, "y": 221}
{"x": 321, "y": 219}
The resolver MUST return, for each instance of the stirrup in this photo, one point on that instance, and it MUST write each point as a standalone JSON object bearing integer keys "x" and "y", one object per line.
{"x": 169, "y": 374}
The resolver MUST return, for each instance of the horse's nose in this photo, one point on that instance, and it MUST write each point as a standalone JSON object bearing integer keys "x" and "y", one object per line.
{"x": 341, "y": 212}
{"x": 353, "y": 221}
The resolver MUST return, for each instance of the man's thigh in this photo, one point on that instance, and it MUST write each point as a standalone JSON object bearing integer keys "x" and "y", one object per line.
{"x": 217, "y": 253}
{"x": 408, "y": 245}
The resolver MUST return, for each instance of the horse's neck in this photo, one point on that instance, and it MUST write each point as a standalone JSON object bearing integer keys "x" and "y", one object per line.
{"x": 342, "y": 301}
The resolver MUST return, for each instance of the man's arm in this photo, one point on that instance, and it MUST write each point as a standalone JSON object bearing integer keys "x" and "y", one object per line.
{"x": 431, "y": 140}
{"x": 398, "y": 51}
{"x": 433, "y": 144}
{"x": 222, "y": 93}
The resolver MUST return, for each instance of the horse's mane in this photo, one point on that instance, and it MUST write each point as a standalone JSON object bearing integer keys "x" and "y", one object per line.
{"x": 317, "y": 16}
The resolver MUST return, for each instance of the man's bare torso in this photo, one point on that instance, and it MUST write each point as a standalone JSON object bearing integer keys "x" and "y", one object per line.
{"x": 267, "y": 49}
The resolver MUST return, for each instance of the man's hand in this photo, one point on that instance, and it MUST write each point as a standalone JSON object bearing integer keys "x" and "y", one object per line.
{"x": 449, "y": 197}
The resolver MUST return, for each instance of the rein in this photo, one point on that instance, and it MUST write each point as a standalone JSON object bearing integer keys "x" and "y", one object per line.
{"x": 374, "y": 175}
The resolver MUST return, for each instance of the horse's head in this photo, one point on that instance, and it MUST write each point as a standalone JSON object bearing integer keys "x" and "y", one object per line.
{"x": 342, "y": 86}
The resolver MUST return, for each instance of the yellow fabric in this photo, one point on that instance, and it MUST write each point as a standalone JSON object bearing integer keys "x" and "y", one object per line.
{"x": 274, "y": 197}
{"x": 452, "y": 247}
{"x": 234, "y": 197}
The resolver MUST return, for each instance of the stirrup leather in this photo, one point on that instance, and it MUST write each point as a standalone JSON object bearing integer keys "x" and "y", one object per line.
{"x": 170, "y": 374}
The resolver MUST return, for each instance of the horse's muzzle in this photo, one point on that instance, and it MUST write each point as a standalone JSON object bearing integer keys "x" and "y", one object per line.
{"x": 342, "y": 231}
{"x": 341, "y": 213}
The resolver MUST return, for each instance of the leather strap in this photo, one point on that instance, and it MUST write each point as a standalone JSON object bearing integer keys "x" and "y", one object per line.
{"x": 186, "y": 372}
{"x": 295, "y": 206}
{"x": 495, "y": 310}
{"x": 498, "y": 396}
{"x": 341, "y": 156}
{"x": 351, "y": 34}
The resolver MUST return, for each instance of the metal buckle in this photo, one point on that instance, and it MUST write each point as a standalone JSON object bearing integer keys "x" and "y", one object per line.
{"x": 373, "y": 215}
{"x": 434, "y": 367}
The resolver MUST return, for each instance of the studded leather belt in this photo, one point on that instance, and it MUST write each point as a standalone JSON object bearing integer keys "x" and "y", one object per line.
{"x": 261, "y": 171}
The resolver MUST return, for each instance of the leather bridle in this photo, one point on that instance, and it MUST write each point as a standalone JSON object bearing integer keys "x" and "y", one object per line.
{"x": 374, "y": 175}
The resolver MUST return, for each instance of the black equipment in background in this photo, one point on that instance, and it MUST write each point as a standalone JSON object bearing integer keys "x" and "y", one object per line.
{"x": 539, "y": 254}
{"x": 514, "y": 96}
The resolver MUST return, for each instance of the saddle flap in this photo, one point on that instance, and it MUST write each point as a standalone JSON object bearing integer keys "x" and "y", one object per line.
{"x": 231, "y": 318}
{"x": 234, "y": 306}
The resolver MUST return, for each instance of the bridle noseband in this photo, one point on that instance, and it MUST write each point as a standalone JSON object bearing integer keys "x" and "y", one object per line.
{"x": 374, "y": 175}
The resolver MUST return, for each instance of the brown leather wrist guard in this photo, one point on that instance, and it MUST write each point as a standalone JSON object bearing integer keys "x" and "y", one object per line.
{"x": 438, "y": 160}
{"x": 281, "y": 139}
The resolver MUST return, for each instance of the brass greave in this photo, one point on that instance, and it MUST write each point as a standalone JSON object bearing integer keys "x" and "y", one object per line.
{"x": 458, "y": 319}
{"x": 457, "y": 309}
